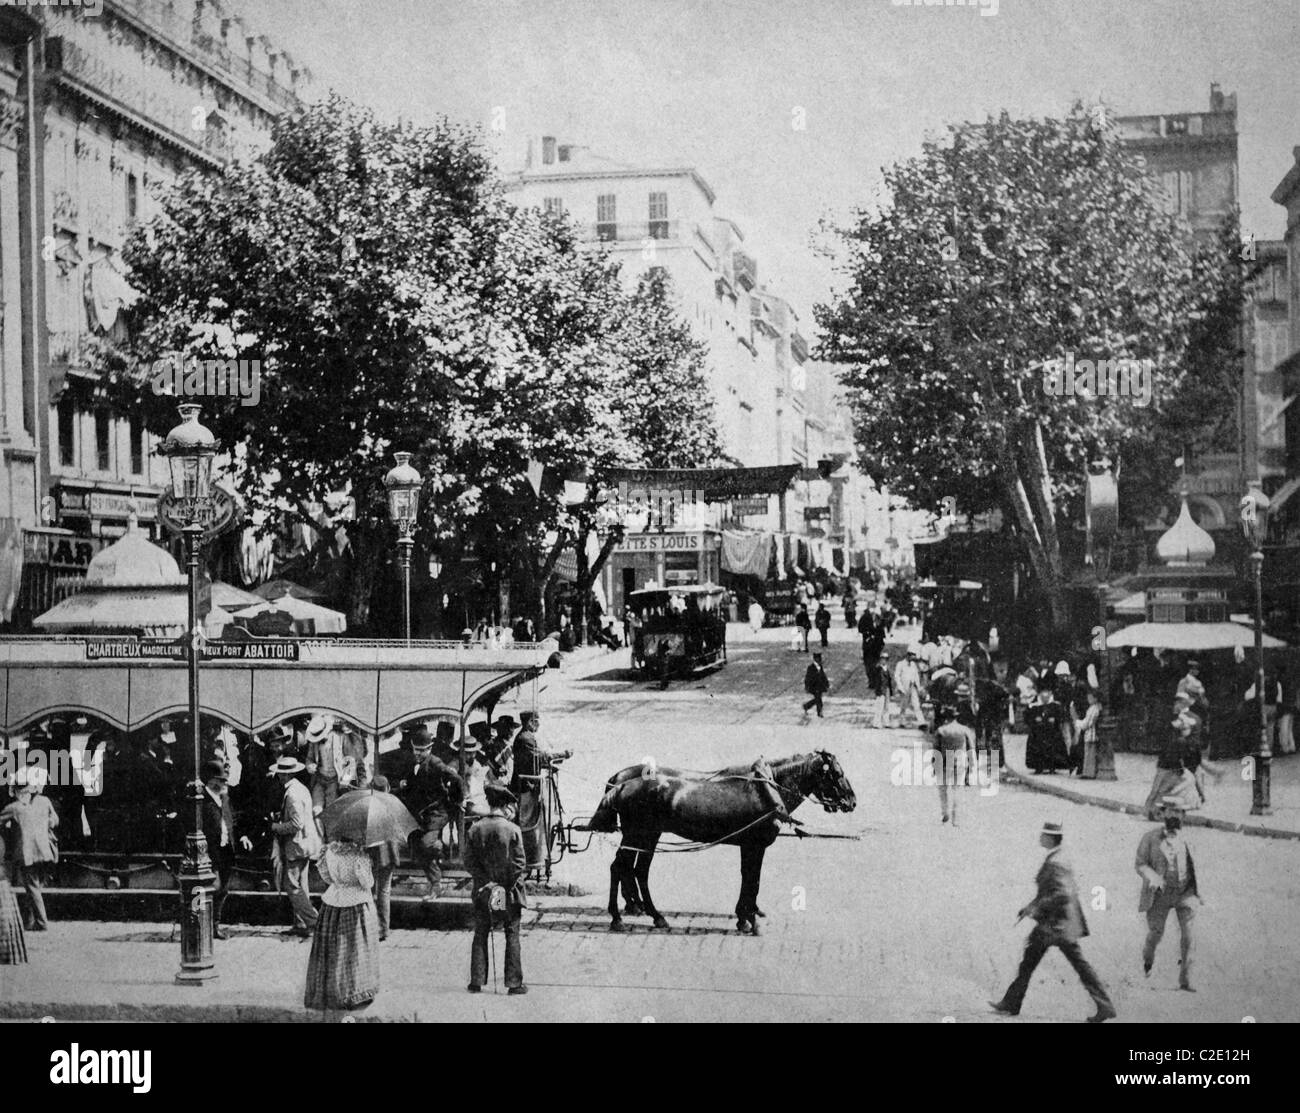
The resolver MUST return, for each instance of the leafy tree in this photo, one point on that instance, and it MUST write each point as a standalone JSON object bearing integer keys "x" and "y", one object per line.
{"x": 395, "y": 301}
{"x": 1001, "y": 246}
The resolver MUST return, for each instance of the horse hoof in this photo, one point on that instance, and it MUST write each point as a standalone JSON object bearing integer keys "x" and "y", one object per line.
{"x": 617, "y": 925}
{"x": 661, "y": 924}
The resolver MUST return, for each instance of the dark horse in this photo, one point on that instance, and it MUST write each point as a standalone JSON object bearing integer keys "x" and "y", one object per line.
{"x": 740, "y": 806}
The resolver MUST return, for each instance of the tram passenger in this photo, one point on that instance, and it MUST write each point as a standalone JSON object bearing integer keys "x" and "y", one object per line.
{"x": 529, "y": 761}
{"x": 336, "y": 760}
{"x": 433, "y": 791}
{"x": 498, "y": 751}
{"x": 220, "y": 832}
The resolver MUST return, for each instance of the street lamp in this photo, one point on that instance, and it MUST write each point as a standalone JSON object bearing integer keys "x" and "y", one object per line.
{"x": 403, "y": 485}
{"x": 1254, "y": 525}
{"x": 190, "y": 449}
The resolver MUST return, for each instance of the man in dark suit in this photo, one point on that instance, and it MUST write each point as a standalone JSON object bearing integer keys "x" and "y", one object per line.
{"x": 1059, "y": 922}
{"x": 219, "y": 830}
{"x": 816, "y": 684}
{"x": 494, "y": 855}
{"x": 433, "y": 791}
{"x": 1164, "y": 862}
{"x": 525, "y": 783}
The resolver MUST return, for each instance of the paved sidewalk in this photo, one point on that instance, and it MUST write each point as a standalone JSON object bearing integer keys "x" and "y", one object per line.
{"x": 1227, "y": 807}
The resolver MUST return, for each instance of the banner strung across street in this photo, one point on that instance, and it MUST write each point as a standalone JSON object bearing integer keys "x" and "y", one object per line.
{"x": 665, "y": 491}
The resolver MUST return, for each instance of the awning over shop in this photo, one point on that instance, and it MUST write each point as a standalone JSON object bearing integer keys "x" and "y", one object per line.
{"x": 373, "y": 686}
{"x": 308, "y": 618}
{"x": 1188, "y": 636}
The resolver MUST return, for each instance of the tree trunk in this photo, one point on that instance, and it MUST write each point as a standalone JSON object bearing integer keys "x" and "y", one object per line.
{"x": 584, "y": 587}
{"x": 367, "y": 548}
{"x": 544, "y": 578}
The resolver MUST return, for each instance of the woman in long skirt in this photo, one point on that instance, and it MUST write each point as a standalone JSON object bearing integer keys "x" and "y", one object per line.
{"x": 13, "y": 943}
{"x": 343, "y": 970}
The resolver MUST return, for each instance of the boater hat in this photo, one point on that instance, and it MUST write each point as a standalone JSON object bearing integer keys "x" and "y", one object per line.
{"x": 1172, "y": 803}
{"x": 318, "y": 728}
{"x": 287, "y": 764}
{"x": 1052, "y": 829}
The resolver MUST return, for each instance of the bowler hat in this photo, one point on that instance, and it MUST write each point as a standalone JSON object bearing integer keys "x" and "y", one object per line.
{"x": 506, "y": 721}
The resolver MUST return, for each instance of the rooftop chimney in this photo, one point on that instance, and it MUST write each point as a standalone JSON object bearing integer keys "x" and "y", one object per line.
{"x": 1216, "y": 97}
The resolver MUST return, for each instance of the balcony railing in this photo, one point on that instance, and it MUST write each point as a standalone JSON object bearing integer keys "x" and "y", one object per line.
{"x": 798, "y": 347}
{"x": 760, "y": 314}
{"x": 632, "y": 231}
{"x": 746, "y": 270}
{"x": 162, "y": 17}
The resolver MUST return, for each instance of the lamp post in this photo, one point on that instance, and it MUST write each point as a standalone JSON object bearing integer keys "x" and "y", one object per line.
{"x": 403, "y": 484}
{"x": 1254, "y": 525}
{"x": 190, "y": 449}
{"x": 1101, "y": 507}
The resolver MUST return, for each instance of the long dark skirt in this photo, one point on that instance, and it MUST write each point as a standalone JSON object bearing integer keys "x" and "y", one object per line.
{"x": 343, "y": 970}
{"x": 13, "y": 943}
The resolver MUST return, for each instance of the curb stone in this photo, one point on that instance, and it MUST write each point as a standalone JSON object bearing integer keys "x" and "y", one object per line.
{"x": 1190, "y": 819}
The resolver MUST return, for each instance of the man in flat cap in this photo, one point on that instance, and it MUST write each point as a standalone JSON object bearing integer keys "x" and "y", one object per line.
{"x": 1059, "y": 922}
{"x": 494, "y": 856}
{"x": 1164, "y": 862}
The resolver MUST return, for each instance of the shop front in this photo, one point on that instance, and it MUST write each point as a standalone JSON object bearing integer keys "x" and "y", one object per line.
{"x": 662, "y": 559}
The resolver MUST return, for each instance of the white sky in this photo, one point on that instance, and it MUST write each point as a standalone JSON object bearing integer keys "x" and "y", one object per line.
{"x": 714, "y": 84}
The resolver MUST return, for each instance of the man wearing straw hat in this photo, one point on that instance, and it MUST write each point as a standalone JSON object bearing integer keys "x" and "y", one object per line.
{"x": 297, "y": 843}
{"x": 1164, "y": 862}
{"x": 1059, "y": 922}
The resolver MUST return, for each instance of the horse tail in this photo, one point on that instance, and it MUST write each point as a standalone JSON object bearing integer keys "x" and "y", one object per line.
{"x": 605, "y": 818}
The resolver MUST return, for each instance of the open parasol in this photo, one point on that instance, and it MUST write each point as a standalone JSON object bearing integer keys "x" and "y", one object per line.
{"x": 368, "y": 817}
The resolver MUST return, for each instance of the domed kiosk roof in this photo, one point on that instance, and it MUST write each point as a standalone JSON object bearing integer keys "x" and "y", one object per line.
{"x": 134, "y": 561}
{"x": 1185, "y": 544}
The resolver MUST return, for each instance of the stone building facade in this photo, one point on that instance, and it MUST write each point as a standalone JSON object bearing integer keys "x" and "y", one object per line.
{"x": 97, "y": 113}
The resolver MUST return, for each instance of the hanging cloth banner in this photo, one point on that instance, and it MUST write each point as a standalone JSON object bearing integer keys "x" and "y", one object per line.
{"x": 635, "y": 487}
{"x": 746, "y": 554}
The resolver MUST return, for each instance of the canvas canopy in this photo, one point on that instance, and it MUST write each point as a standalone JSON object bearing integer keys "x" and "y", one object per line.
{"x": 375, "y": 686}
{"x": 1187, "y": 636}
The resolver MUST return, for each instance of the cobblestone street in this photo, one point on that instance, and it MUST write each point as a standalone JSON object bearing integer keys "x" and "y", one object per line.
{"x": 912, "y": 921}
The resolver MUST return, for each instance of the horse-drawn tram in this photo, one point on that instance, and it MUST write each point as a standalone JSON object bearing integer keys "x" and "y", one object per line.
{"x": 98, "y": 713}
{"x": 677, "y": 630}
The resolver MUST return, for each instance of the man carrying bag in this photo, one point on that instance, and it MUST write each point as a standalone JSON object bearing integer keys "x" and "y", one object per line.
{"x": 494, "y": 856}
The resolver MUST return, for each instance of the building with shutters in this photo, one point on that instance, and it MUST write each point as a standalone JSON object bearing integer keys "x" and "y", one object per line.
{"x": 97, "y": 112}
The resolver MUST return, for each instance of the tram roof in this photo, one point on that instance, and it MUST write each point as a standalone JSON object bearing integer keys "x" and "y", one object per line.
{"x": 375, "y": 685}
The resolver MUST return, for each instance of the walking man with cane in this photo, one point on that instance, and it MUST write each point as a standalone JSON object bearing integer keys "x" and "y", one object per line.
{"x": 494, "y": 856}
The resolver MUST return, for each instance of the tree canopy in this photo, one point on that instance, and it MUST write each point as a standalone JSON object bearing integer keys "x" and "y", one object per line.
{"x": 395, "y": 300}
{"x": 1001, "y": 247}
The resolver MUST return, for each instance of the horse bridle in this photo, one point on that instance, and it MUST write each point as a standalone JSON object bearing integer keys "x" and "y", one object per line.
{"x": 830, "y": 806}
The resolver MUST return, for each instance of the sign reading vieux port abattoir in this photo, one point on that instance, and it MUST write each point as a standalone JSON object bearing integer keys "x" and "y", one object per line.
{"x": 162, "y": 649}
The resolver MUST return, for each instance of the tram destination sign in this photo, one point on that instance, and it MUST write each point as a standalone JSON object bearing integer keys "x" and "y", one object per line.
{"x": 131, "y": 649}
